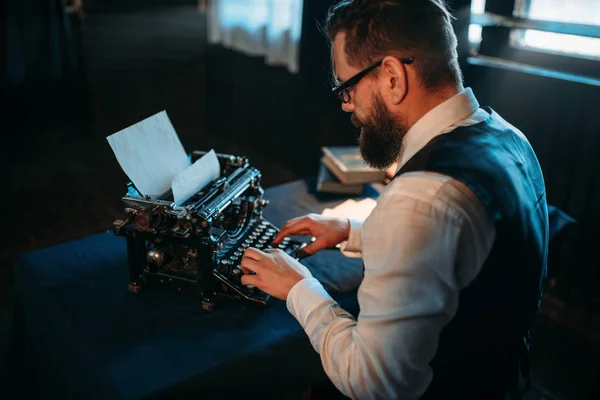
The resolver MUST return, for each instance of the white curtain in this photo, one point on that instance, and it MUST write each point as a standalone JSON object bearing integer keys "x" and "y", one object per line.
{"x": 269, "y": 28}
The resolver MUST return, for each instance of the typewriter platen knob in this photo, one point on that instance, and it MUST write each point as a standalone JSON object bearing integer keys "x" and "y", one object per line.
{"x": 143, "y": 221}
{"x": 155, "y": 258}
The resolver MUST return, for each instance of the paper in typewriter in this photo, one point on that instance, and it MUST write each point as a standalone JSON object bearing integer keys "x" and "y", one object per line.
{"x": 195, "y": 177}
{"x": 150, "y": 153}
{"x": 152, "y": 156}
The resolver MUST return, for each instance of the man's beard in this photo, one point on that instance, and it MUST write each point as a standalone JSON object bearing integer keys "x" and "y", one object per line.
{"x": 381, "y": 137}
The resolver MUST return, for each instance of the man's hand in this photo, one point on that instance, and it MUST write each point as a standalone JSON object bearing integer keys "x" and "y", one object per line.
{"x": 328, "y": 231}
{"x": 275, "y": 272}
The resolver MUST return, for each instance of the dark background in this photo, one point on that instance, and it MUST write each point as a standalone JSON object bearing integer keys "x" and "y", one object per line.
{"x": 70, "y": 81}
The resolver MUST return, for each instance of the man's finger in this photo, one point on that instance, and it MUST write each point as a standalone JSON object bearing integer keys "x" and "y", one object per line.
{"x": 253, "y": 253}
{"x": 304, "y": 232}
{"x": 299, "y": 228}
{"x": 291, "y": 222}
{"x": 294, "y": 220}
{"x": 249, "y": 280}
{"x": 286, "y": 227}
{"x": 312, "y": 248}
{"x": 249, "y": 265}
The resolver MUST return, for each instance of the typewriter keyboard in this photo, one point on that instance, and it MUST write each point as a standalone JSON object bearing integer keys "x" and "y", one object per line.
{"x": 259, "y": 235}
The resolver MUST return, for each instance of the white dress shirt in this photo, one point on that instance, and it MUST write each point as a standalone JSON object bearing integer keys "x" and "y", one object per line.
{"x": 425, "y": 240}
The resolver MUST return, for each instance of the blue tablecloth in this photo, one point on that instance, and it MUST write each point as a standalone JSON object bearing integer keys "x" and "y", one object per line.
{"x": 78, "y": 333}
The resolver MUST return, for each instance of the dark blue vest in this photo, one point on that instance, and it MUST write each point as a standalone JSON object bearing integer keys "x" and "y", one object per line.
{"x": 482, "y": 352}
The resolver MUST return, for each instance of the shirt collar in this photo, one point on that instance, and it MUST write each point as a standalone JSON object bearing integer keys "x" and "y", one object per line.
{"x": 436, "y": 122}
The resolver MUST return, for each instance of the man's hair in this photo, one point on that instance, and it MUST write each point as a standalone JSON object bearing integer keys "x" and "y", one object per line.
{"x": 421, "y": 29}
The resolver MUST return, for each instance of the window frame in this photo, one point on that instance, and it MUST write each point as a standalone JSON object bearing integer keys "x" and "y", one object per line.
{"x": 498, "y": 26}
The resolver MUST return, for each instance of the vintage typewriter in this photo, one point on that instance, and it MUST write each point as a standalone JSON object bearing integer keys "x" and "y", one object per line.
{"x": 198, "y": 246}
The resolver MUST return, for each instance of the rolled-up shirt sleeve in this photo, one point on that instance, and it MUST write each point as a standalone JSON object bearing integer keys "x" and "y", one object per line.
{"x": 409, "y": 293}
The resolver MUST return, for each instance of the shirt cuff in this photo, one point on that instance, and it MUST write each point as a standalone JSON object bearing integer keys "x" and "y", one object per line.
{"x": 306, "y": 296}
{"x": 354, "y": 243}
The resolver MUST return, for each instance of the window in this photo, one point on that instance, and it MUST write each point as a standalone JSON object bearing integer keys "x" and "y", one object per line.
{"x": 574, "y": 11}
{"x": 585, "y": 12}
{"x": 552, "y": 38}
{"x": 477, "y": 8}
{"x": 269, "y": 28}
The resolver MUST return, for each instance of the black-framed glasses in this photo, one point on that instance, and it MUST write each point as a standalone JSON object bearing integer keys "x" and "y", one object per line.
{"x": 342, "y": 91}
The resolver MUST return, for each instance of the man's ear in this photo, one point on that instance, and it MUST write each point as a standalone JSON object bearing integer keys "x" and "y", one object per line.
{"x": 394, "y": 79}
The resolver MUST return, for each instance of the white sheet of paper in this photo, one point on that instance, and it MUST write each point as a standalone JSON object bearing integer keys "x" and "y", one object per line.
{"x": 351, "y": 209}
{"x": 150, "y": 153}
{"x": 192, "y": 179}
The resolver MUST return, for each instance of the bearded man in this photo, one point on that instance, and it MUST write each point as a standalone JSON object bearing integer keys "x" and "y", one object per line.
{"x": 455, "y": 250}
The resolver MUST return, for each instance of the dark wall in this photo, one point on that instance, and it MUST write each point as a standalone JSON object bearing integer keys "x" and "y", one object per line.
{"x": 267, "y": 109}
{"x": 42, "y": 72}
{"x": 122, "y": 5}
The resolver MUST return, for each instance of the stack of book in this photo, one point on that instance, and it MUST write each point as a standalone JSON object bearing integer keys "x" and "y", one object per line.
{"x": 344, "y": 171}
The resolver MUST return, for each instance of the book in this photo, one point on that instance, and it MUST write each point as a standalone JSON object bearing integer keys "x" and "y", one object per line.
{"x": 328, "y": 183}
{"x": 347, "y": 164}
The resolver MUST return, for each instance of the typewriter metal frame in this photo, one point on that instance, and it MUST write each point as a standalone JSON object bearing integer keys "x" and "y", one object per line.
{"x": 191, "y": 247}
